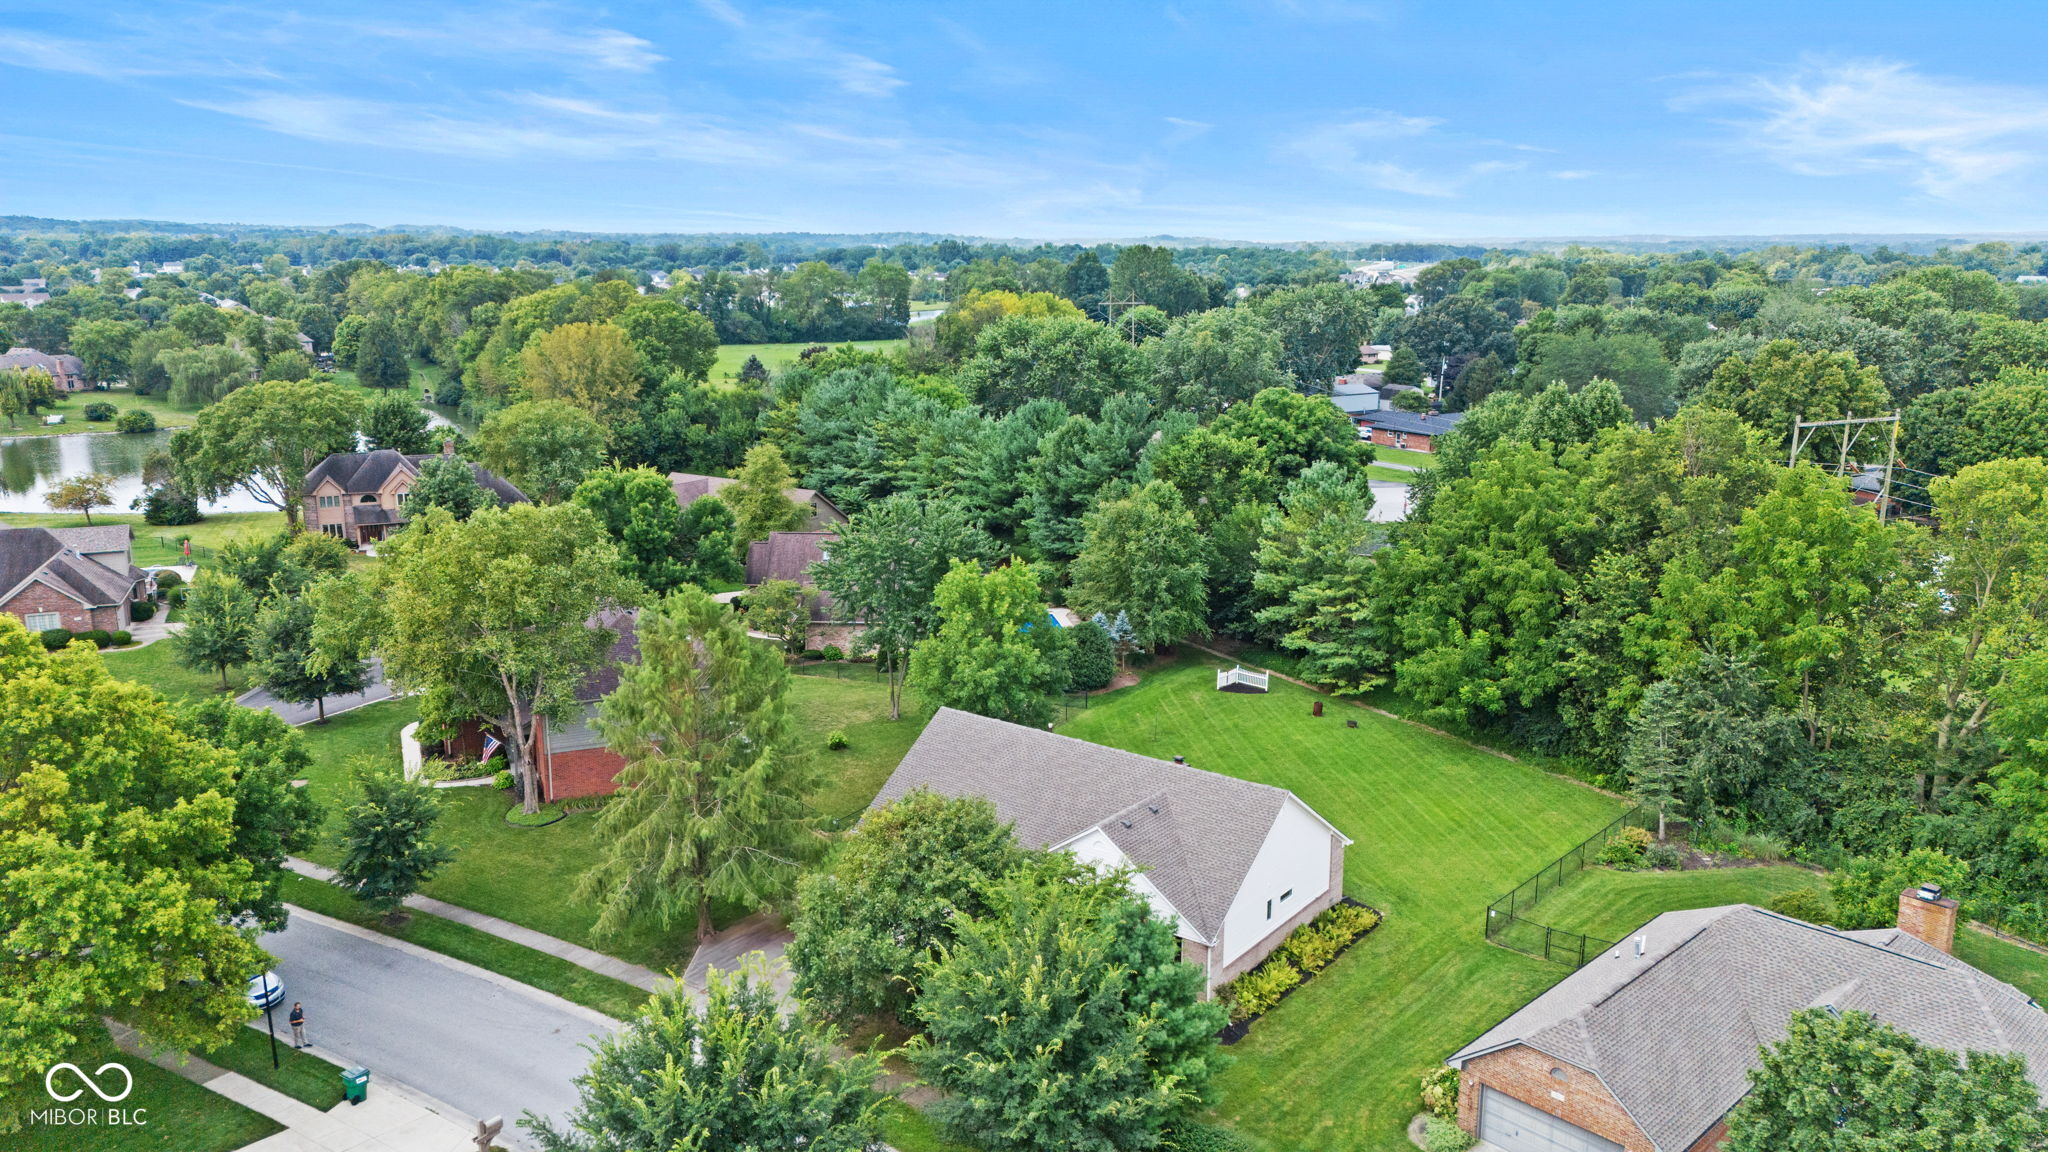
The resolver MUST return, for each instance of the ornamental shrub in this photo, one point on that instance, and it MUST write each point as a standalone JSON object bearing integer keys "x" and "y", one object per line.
{"x": 836, "y": 740}
{"x": 122, "y": 638}
{"x": 1440, "y": 1092}
{"x": 1662, "y": 855}
{"x": 55, "y": 638}
{"x": 502, "y": 780}
{"x": 1348, "y": 920}
{"x": 99, "y": 411}
{"x": 97, "y": 637}
{"x": 167, "y": 504}
{"x": 167, "y": 579}
{"x": 831, "y": 652}
{"x": 1808, "y": 904}
{"x": 1259, "y": 990}
{"x": 142, "y": 610}
{"x": 1310, "y": 948}
{"x": 136, "y": 420}
{"x": 448, "y": 393}
{"x": 1441, "y": 1135}
{"x": 1625, "y": 850}
{"x": 1092, "y": 663}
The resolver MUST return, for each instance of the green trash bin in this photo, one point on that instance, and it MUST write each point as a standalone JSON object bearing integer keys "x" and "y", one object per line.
{"x": 355, "y": 1082}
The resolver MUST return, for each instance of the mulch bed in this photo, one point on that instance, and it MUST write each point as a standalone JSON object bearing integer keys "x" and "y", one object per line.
{"x": 1238, "y": 1030}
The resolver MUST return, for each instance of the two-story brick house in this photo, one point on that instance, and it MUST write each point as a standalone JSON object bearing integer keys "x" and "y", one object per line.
{"x": 67, "y": 373}
{"x": 360, "y": 496}
{"x": 75, "y": 578}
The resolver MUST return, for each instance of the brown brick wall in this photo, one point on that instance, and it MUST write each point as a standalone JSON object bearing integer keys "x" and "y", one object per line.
{"x": 584, "y": 772}
{"x": 1414, "y": 441}
{"x": 1933, "y": 921}
{"x": 1524, "y": 1073}
{"x": 1715, "y": 1137}
{"x": 77, "y": 617}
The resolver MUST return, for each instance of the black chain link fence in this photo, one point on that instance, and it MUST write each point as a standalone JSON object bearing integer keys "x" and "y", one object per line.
{"x": 1507, "y": 919}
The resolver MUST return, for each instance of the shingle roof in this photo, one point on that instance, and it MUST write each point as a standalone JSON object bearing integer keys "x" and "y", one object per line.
{"x": 361, "y": 472}
{"x": 96, "y": 537}
{"x": 29, "y": 552}
{"x": 22, "y": 359}
{"x": 689, "y": 488}
{"x": 789, "y": 556}
{"x": 1674, "y": 1033}
{"x": 1395, "y": 420}
{"x": 1195, "y": 848}
{"x": 624, "y": 650}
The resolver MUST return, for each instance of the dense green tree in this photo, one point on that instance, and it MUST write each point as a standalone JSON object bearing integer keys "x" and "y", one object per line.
{"x": 379, "y": 355}
{"x": 1077, "y": 362}
{"x": 544, "y": 447}
{"x": 1320, "y": 328}
{"x": 147, "y": 374}
{"x": 1064, "y": 1019}
{"x": 274, "y": 819}
{"x": 1294, "y": 431}
{"x": 1086, "y": 282}
{"x": 706, "y": 535}
{"x": 396, "y": 421}
{"x": 205, "y": 374}
{"x": 1704, "y": 739}
{"x": 1149, "y": 275}
{"x": 759, "y": 497}
{"x": 1075, "y": 459}
{"x": 120, "y": 868}
{"x": 81, "y": 494}
{"x": 779, "y": 608}
{"x": 448, "y": 482}
{"x": 1214, "y": 471}
{"x": 959, "y": 328}
{"x": 1403, "y": 368}
{"x": 1780, "y": 384}
{"x": 284, "y": 643}
{"x": 1865, "y": 891}
{"x": 102, "y": 345}
{"x": 993, "y": 652}
{"x": 1951, "y": 429}
{"x": 889, "y": 898}
{"x": 1092, "y": 663}
{"x": 1208, "y": 361}
{"x": 263, "y": 439}
{"x": 590, "y": 366}
{"x": 220, "y": 627}
{"x": 288, "y": 365}
{"x": 711, "y": 804}
{"x": 488, "y": 618}
{"x": 387, "y": 836}
{"x": 734, "y": 1073}
{"x": 1311, "y": 577}
{"x": 671, "y": 340}
{"x": 885, "y": 569}
{"x": 1634, "y": 362}
{"x": 1845, "y": 1082}
{"x": 638, "y": 509}
{"x": 1143, "y": 554}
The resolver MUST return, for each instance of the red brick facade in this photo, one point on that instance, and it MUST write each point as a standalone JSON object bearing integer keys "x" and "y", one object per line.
{"x": 1576, "y": 1097}
{"x": 1933, "y": 921}
{"x": 1413, "y": 441}
{"x": 38, "y": 597}
{"x": 584, "y": 772}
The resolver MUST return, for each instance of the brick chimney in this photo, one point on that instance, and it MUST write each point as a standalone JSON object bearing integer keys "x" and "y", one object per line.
{"x": 1923, "y": 913}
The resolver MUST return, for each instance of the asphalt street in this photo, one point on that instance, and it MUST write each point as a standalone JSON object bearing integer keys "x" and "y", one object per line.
{"x": 307, "y": 713}
{"x": 453, "y": 1033}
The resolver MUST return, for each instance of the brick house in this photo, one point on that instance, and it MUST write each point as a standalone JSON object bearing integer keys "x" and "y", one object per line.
{"x": 690, "y": 488}
{"x": 360, "y": 496}
{"x": 75, "y": 578}
{"x": 67, "y": 373}
{"x": 1647, "y": 1048}
{"x": 1393, "y": 428}
{"x": 1234, "y": 865}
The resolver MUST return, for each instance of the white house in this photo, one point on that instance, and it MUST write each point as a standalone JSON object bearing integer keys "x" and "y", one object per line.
{"x": 1234, "y": 865}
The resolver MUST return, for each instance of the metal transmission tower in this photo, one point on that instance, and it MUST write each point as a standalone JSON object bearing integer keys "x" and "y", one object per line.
{"x": 1853, "y": 428}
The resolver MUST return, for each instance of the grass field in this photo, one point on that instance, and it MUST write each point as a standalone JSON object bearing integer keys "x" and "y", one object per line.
{"x": 1439, "y": 829}
{"x": 158, "y": 545}
{"x": 1380, "y": 472}
{"x": 732, "y": 356}
{"x": 614, "y": 998}
{"x": 1408, "y": 456}
{"x": 157, "y": 666}
{"x": 300, "y": 1075}
{"x": 2023, "y": 968}
{"x": 72, "y": 407}
{"x": 1608, "y": 904}
{"x": 182, "y": 1116}
{"x": 529, "y": 875}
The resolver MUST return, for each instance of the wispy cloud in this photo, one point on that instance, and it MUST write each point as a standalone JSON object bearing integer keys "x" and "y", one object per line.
{"x": 789, "y": 37}
{"x": 512, "y": 33}
{"x": 1574, "y": 174}
{"x": 1360, "y": 148}
{"x": 1831, "y": 117}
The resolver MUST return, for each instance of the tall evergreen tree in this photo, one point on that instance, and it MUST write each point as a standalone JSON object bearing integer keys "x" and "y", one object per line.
{"x": 711, "y": 800}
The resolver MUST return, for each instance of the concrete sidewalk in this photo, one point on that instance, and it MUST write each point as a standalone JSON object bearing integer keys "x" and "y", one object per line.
{"x": 391, "y": 1118}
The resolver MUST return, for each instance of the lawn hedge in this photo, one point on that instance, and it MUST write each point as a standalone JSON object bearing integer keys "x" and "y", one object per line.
{"x": 1307, "y": 950}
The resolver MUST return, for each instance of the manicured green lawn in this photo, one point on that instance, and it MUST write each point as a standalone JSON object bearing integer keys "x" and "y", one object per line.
{"x": 367, "y": 732}
{"x": 732, "y": 356}
{"x": 1439, "y": 830}
{"x": 72, "y": 408}
{"x": 180, "y": 1116}
{"x": 158, "y": 545}
{"x": 1608, "y": 904}
{"x": 614, "y": 998}
{"x": 157, "y": 666}
{"x": 2023, "y": 968}
{"x": 1381, "y": 472}
{"x": 907, "y": 1130}
{"x": 875, "y": 744}
{"x": 1408, "y": 456}
{"x": 300, "y": 1075}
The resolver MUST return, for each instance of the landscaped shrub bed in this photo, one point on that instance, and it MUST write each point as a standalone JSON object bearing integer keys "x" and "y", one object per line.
{"x": 1307, "y": 951}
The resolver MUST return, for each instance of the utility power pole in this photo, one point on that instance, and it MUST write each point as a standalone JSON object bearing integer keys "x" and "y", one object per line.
{"x": 1853, "y": 427}
{"x": 1109, "y": 308}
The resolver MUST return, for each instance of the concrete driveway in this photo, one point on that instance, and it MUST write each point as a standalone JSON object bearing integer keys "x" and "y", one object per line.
{"x": 296, "y": 714}
{"x": 481, "y": 1043}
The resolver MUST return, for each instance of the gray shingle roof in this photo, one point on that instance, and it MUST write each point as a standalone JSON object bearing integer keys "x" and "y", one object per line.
{"x": 1673, "y": 1034}
{"x": 360, "y": 472}
{"x": 29, "y": 552}
{"x": 1395, "y": 420}
{"x": 690, "y": 487}
{"x": 1196, "y": 848}
{"x": 96, "y": 537}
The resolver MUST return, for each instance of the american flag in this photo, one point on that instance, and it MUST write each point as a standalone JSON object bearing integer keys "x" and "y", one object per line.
{"x": 490, "y": 745}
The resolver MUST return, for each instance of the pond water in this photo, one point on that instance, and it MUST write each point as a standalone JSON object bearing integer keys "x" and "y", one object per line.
{"x": 31, "y": 465}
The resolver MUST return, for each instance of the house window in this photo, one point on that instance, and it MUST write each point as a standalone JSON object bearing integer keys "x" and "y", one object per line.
{"x": 1287, "y": 895}
{"x": 331, "y": 529}
{"x": 1558, "y": 1074}
{"x": 401, "y": 499}
{"x": 42, "y": 621}
{"x": 368, "y": 498}
{"x": 1269, "y": 909}
{"x": 330, "y": 502}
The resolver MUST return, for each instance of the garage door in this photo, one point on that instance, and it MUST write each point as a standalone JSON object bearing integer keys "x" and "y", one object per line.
{"x": 1513, "y": 1126}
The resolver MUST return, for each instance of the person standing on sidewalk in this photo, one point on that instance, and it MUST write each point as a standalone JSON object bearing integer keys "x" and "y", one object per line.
{"x": 298, "y": 1025}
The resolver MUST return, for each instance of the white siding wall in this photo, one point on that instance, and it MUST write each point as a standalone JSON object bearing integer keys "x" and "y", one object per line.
{"x": 1296, "y": 857}
{"x": 1094, "y": 847}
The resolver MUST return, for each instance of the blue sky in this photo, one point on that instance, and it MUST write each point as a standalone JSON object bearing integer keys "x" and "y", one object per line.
{"x": 1256, "y": 120}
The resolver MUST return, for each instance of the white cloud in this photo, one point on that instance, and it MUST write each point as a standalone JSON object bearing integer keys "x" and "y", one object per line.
{"x": 786, "y": 37}
{"x": 1952, "y": 139}
{"x": 1365, "y": 147}
{"x": 1574, "y": 174}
